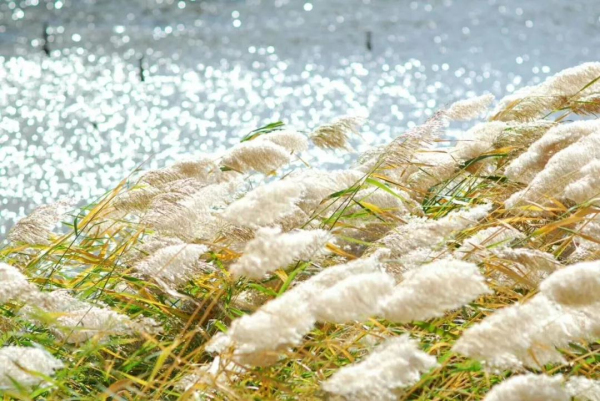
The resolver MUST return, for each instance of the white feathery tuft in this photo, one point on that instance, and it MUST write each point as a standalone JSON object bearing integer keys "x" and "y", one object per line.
{"x": 479, "y": 139}
{"x": 289, "y": 139}
{"x": 77, "y": 321}
{"x": 335, "y": 134}
{"x": 36, "y": 229}
{"x": 527, "y": 165}
{"x": 575, "y": 285}
{"x": 271, "y": 249}
{"x": 427, "y": 233}
{"x": 527, "y": 334}
{"x": 531, "y": 265}
{"x": 588, "y": 186}
{"x": 529, "y": 387}
{"x": 392, "y": 366}
{"x": 465, "y": 110}
{"x": 562, "y": 169}
{"x": 491, "y": 238}
{"x": 174, "y": 264}
{"x": 13, "y": 284}
{"x": 285, "y": 320}
{"x": 262, "y": 156}
{"x": 20, "y": 364}
{"x": 266, "y": 205}
{"x": 430, "y": 290}
{"x": 583, "y": 389}
{"x": 353, "y": 299}
{"x": 187, "y": 215}
{"x": 256, "y": 338}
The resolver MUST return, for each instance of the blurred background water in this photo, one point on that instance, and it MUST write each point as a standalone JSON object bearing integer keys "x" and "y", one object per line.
{"x": 89, "y": 89}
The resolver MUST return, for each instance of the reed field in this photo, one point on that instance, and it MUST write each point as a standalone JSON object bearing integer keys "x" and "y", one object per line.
{"x": 423, "y": 271}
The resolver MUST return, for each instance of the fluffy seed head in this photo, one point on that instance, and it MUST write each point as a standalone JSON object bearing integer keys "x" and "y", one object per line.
{"x": 174, "y": 264}
{"x": 36, "y": 228}
{"x": 583, "y": 389}
{"x": 271, "y": 249}
{"x": 575, "y": 285}
{"x": 16, "y": 363}
{"x": 13, "y": 284}
{"x": 529, "y": 387}
{"x": 353, "y": 299}
{"x": 76, "y": 321}
{"x": 335, "y": 134}
{"x": 525, "y": 167}
{"x": 588, "y": 186}
{"x": 429, "y": 291}
{"x": 262, "y": 156}
{"x": 427, "y": 233}
{"x": 465, "y": 110}
{"x": 526, "y": 334}
{"x": 395, "y": 364}
{"x": 266, "y": 205}
{"x": 291, "y": 140}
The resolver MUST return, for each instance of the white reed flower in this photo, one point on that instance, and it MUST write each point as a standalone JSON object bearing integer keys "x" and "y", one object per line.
{"x": 184, "y": 187}
{"x": 36, "y": 229}
{"x": 531, "y": 265}
{"x": 533, "y": 102}
{"x": 13, "y": 284}
{"x": 586, "y": 243}
{"x": 160, "y": 177}
{"x": 262, "y": 156}
{"x": 335, "y": 134}
{"x": 201, "y": 169}
{"x": 588, "y": 186}
{"x": 575, "y": 285}
{"x": 572, "y": 80}
{"x": 318, "y": 185}
{"x": 353, "y": 299}
{"x": 135, "y": 199}
{"x": 465, "y": 110}
{"x": 418, "y": 257}
{"x": 493, "y": 237}
{"x": 394, "y": 365}
{"x": 76, "y": 321}
{"x": 435, "y": 166}
{"x": 563, "y": 168}
{"x": 430, "y": 290}
{"x": 519, "y": 136}
{"x": 529, "y": 387}
{"x": 583, "y": 389}
{"x": 395, "y": 159}
{"x": 291, "y": 140}
{"x": 187, "y": 215}
{"x": 505, "y": 105}
{"x": 20, "y": 365}
{"x": 279, "y": 323}
{"x": 174, "y": 264}
{"x": 383, "y": 200}
{"x": 525, "y": 167}
{"x": 149, "y": 246}
{"x": 271, "y": 249}
{"x": 285, "y": 320}
{"x": 479, "y": 139}
{"x": 526, "y": 334}
{"x": 332, "y": 275}
{"x": 427, "y": 233}
{"x": 265, "y": 205}
{"x": 182, "y": 179}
